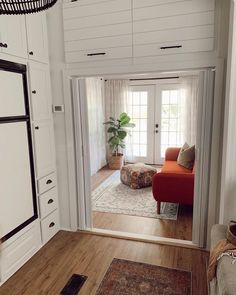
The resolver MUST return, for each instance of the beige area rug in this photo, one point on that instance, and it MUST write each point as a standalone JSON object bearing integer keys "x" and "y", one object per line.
{"x": 114, "y": 197}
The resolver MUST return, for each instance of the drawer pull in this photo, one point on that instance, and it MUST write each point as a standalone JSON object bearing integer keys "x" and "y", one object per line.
{"x": 95, "y": 54}
{"x": 3, "y": 45}
{"x": 49, "y": 181}
{"x": 31, "y": 53}
{"x": 50, "y": 201}
{"x": 34, "y": 91}
{"x": 170, "y": 47}
{"x": 51, "y": 224}
{"x": 36, "y": 127}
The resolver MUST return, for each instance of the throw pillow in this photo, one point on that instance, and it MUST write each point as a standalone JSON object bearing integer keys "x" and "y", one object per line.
{"x": 186, "y": 156}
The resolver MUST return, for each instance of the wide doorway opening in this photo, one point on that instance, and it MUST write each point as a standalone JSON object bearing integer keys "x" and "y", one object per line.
{"x": 143, "y": 171}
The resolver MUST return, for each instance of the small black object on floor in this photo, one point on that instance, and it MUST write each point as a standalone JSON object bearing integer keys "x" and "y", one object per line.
{"x": 74, "y": 285}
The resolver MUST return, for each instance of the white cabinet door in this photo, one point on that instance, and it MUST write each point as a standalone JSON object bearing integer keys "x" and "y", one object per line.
{"x": 37, "y": 37}
{"x": 40, "y": 91}
{"x": 12, "y": 100}
{"x": 16, "y": 188}
{"x": 44, "y": 148}
{"x": 13, "y": 35}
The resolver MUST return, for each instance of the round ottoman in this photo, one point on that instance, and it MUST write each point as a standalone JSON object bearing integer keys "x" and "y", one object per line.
{"x": 137, "y": 175}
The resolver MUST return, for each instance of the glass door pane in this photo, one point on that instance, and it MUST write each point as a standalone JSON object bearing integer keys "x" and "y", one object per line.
{"x": 169, "y": 115}
{"x": 139, "y": 145}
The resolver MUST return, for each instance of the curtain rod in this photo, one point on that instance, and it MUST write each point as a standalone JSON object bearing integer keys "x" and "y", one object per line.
{"x": 148, "y": 79}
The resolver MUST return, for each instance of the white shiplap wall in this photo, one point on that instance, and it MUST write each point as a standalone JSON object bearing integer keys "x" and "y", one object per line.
{"x": 120, "y": 29}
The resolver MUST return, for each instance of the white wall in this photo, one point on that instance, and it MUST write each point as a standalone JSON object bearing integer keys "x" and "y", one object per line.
{"x": 56, "y": 56}
{"x": 56, "y": 47}
{"x": 228, "y": 184}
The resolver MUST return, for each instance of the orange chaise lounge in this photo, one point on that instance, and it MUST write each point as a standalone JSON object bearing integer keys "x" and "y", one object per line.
{"x": 174, "y": 184}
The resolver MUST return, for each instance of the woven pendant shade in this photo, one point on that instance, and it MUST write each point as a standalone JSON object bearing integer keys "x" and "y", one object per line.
{"x": 24, "y": 6}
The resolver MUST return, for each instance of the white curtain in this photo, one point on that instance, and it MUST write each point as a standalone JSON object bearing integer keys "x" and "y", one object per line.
{"x": 116, "y": 100}
{"x": 116, "y": 97}
{"x": 96, "y": 118}
{"x": 189, "y": 106}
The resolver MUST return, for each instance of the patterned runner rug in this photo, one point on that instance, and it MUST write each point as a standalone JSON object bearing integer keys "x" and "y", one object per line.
{"x": 126, "y": 277}
{"x": 114, "y": 197}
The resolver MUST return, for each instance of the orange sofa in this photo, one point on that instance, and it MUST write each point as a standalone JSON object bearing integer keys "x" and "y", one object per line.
{"x": 174, "y": 184}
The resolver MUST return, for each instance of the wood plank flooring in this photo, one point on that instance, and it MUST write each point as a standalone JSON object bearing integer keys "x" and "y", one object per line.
{"x": 176, "y": 229}
{"x": 68, "y": 253}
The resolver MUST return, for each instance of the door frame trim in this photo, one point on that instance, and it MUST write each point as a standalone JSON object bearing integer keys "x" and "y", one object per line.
{"x": 216, "y": 146}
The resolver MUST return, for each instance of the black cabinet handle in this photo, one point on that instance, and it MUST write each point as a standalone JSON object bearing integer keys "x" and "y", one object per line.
{"x": 50, "y": 201}
{"x": 95, "y": 54}
{"x": 157, "y": 125}
{"x": 49, "y": 181}
{"x": 36, "y": 127}
{"x": 34, "y": 91}
{"x": 170, "y": 47}
{"x": 3, "y": 45}
{"x": 51, "y": 224}
{"x": 31, "y": 53}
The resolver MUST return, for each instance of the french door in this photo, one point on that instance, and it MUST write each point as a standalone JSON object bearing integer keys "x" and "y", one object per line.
{"x": 140, "y": 142}
{"x": 158, "y": 113}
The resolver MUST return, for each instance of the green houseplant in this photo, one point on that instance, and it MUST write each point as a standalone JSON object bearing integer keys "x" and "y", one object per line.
{"x": 118, "y": 130}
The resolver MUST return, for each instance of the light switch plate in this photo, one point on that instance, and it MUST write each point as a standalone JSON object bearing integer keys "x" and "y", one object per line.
{"x": 58, "y": 108}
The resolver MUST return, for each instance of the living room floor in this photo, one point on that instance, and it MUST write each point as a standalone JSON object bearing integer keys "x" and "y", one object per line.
{"x": 90, "y": 255}
{"x": 176, "y": 229}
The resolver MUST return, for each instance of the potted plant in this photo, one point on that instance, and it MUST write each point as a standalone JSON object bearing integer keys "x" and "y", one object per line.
{"x": 118, "y": 130}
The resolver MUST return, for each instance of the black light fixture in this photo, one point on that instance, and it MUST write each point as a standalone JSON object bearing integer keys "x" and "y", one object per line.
{"x": 24, "y": 6}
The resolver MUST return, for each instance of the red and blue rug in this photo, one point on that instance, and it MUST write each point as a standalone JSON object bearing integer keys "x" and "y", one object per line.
{"x": 132, "y": 278}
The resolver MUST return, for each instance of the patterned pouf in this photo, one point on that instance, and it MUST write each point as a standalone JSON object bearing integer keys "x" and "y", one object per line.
{"x": 137, "y": 175}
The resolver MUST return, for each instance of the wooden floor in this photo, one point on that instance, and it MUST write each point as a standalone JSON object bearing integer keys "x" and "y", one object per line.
{"x": 68, "y": 253}
{"x": 176, "y": 229}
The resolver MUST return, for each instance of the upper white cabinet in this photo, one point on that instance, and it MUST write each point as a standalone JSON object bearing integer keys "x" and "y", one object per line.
{"x": 37, "y": 37}
{"x": 13, "y": 35}
{"x": 97, "y": 30}
{"x": 173, "y": 27}
{"x": 40, "y": 91}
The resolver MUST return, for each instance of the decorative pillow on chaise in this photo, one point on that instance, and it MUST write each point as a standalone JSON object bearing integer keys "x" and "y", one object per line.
{"x": 186, "y": 156}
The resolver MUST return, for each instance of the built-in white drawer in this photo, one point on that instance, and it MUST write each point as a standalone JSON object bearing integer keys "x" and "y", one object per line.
{"x": 46, "y": 183}
{"x": 50, "y": 226}
{"x": 48, "y": 202}
{"x": 98, "y": 54}
{"x": 18, "y": 250}
{"x": 179, "y": 47}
